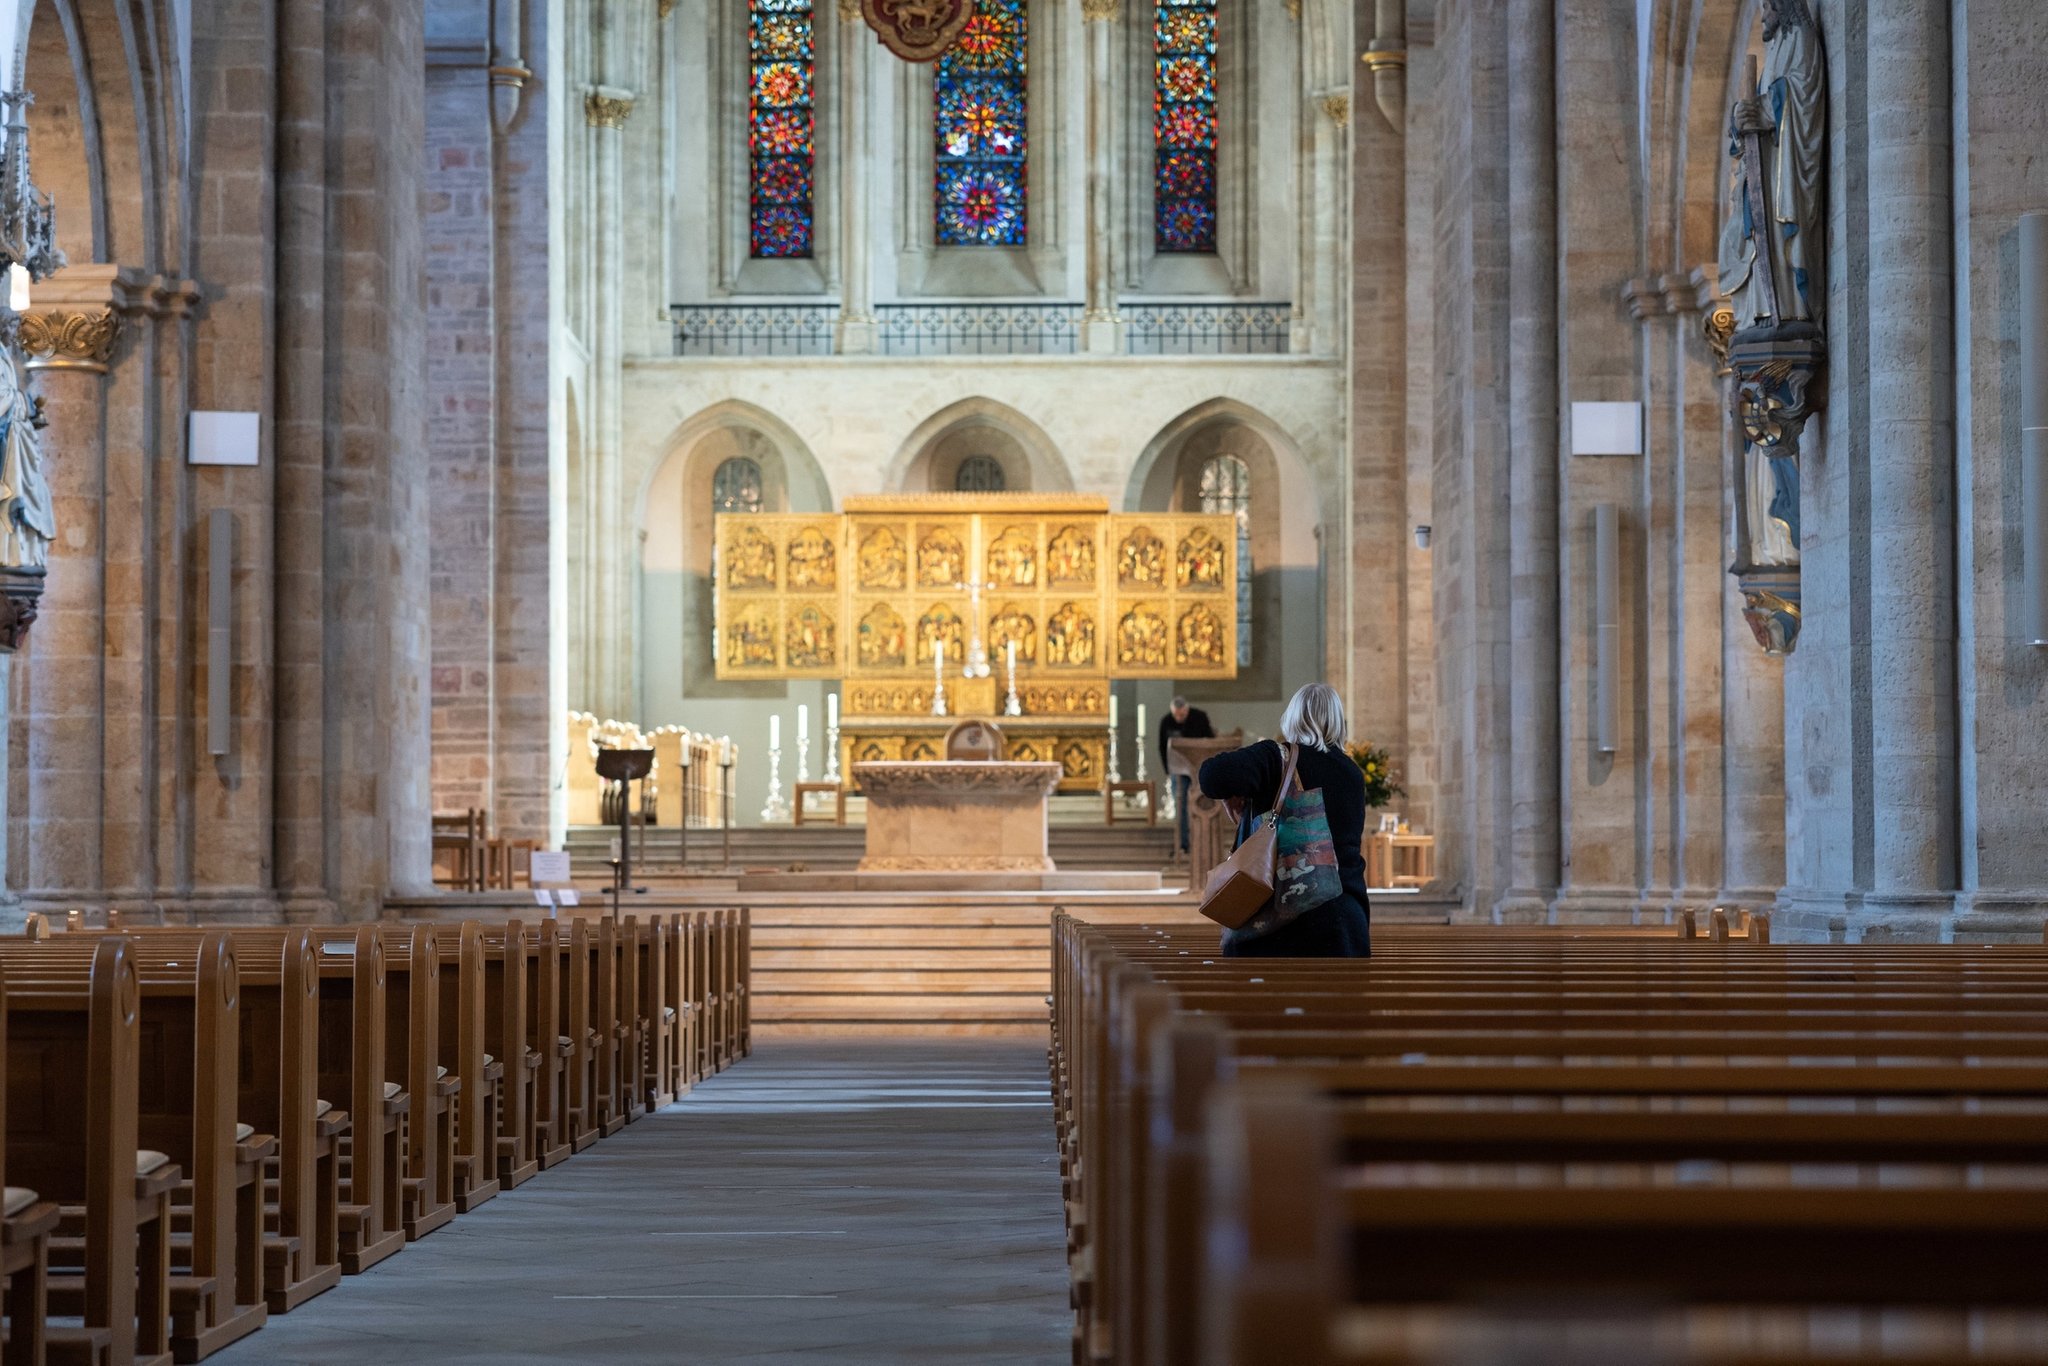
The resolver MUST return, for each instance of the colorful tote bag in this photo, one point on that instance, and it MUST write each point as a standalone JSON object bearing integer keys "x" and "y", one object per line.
{"x": 1305, "y": 861}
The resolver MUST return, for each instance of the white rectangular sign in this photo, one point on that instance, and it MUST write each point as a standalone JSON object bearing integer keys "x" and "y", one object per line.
{"x": 549, "y": 868}
{"x": 222, "y": 438}
{"x": 1607, "y": 429}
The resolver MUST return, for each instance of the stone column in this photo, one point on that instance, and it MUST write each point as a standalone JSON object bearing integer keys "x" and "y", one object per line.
{"x": 856, "y": 246}
{"x": 1532, "y": 462}
{"x": 1101, "y": 327}
{"x": 608, "y": 683}
{"x": 1912, "y": 470}
{"x": 70, "y": 346}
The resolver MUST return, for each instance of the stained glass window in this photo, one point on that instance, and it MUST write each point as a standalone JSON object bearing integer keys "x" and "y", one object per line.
{"x": 981, "y": 99}
{"x": 1227, "y": 487}
{"x": 736, "y": 486}
{"x": 1184, "y": 125}
{"x": 980, "y": 474}
{"x": 781, "y": 127}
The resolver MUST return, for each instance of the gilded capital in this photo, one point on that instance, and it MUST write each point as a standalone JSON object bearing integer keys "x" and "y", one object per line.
{"x": 1338, "y": 107}
{"x": 1389, "y": 59}
{"x": 849, "y": 11}
{"x": 664, "y": 8}
{"x": 1098, "y": 11}
{"x": 63, "y": 340}
{"x": 603, "y": 110}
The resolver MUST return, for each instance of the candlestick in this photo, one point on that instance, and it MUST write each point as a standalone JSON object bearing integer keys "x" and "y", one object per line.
{"x": 832, "y": 737}
{"x": 725, "y": 761}
{"x": 1011, "y": 706}
{"x": 775, "y": 809}
{"x": 1115, "y": 767}
{"x": 1139, "y": 741}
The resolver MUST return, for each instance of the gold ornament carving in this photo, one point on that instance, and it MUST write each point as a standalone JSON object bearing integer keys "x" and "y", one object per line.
{"x": 1141, "y": 638}
{"x": 1338, "y": 107}
{"x": 1141, "y": 559}
{"x": 941, "y": 624}
{"x": 1070, "y": 638}
{"x": 664, "y": 8}
{"x": 849, "y": 10}
{"x": 750, "y": 563}
{"x": 70, "y": 341}
{"x": 750, "y": 640}
{"x": 1392, "y": 59}
{"x": 1013, "y": 559}
{"x": 1014, "y": 624}
{"x": 883, "y": 644}
{"x": 1200, "y": 561}
{"x": 1201, "y": 638}
{"x": 941, "y": 559}
{"x": 813, "y": 562}
{"x": 1096, "y": 11}
{"x": 1070, "y": 558}
{"x": 1293, "y": 9}
{"x": 1718, "y": 327}
{"x": 810, "y": 640}
{"x": 883, "y": 560}
{"x": 606, "y": 111}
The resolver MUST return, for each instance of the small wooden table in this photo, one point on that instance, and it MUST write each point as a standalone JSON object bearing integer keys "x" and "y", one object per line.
{"x": 802, "y": 790}
{"x": 1399, "y": 860}
{"x": 1111, "y": 791}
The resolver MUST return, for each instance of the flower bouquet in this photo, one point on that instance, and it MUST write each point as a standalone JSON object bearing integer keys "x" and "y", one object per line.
{"x": 1380, "y": 784}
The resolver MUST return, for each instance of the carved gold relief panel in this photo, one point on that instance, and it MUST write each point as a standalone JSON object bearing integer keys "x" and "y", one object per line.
{"x": 1174, "y": 601}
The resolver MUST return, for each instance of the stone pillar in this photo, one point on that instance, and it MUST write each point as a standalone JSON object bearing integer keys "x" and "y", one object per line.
{"x": 1533, "y": 871}
{"x": 70, "y": 346}
{"x": 1911, "y": 616}
{"x": 856, "y": 246}
{"x": 607, "y": 683}
{"x": 1101, "y": 326}
{"x": 1375, "y": 590}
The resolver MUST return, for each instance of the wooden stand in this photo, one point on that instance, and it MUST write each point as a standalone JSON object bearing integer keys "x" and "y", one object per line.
{"x": 1111, "y": 791}
{"x": 799, "y": 791}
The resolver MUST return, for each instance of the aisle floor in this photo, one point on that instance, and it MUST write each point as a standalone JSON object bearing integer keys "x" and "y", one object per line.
{"x": 846, "y": 1201}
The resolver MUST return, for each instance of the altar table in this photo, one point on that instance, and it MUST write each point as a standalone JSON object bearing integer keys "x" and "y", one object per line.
{"x": 957, "y": 816}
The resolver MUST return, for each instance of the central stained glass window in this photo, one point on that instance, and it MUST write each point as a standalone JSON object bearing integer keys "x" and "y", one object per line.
{"x": 781, "y": 127}
{"x": 981, "y": 105}
{"x": 1184, "y": 125}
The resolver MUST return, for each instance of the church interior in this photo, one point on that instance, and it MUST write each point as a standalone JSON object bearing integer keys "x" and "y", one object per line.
{"x": 626, "y": 625}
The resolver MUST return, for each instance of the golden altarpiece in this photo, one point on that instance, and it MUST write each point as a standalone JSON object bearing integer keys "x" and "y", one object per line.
{"x": 875, "y": 596}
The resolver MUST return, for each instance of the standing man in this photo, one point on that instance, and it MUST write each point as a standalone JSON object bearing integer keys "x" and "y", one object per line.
{"x": 1182, "y": 722}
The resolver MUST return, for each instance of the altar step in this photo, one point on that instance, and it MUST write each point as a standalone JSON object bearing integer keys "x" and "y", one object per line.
{"x": 838, "y": 848}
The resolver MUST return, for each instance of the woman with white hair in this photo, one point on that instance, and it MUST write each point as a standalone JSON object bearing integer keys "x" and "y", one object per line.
{"x": 1312, "y": 730}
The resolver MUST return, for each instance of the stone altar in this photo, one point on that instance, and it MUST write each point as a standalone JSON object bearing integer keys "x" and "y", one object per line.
{"x": 957, "y": 817}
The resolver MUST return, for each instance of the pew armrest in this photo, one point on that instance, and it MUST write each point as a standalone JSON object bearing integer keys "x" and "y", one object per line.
{"x": 256, "y": 1148}
{"x": 533, "y": 1060}
{"x": 331, "y": 1123}
{"x": 37, "y": 1219}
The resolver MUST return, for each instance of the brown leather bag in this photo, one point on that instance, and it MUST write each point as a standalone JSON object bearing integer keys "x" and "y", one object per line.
{"x": 1241, "y": 885}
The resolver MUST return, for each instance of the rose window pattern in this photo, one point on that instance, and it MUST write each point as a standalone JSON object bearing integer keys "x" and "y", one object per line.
{"x": 781, "y": 128}
{"x": 981, "y": 97}
{"x": 1184, "y": 125}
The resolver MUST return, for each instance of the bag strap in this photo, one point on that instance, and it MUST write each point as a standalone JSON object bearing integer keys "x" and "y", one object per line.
{"x": 1289, "y": 784}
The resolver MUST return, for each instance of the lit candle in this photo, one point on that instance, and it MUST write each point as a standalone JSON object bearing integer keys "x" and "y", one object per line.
{"x": 832, "y": 711}
{"x": 803, "y": 722}
{"x": 775, "y": 731}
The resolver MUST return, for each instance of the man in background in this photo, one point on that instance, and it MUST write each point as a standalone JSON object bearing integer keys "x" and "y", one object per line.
{"x": 1181, "y": 722}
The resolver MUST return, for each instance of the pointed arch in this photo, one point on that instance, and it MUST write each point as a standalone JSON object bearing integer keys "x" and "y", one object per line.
{"x": 930, "y": 455}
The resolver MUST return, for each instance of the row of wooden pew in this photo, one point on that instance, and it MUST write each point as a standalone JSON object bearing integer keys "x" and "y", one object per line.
{"x": 1726, "y": 1151}
{"x": 207, "y": 1127}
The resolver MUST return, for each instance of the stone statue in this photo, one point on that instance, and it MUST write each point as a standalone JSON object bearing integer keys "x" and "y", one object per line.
{"x": 1772, "y": 251}
{"x": 26, "y": 522}
{"x": 1777, "y": 134}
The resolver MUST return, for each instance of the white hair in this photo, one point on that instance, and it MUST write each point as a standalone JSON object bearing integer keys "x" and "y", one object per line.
{"x": 1314, "y": 718}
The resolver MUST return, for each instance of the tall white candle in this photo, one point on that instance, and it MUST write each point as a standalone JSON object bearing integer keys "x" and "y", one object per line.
{"x": 1141, "y": 724}
{"x": 725, "y": 750}
{"x": 775, "y": 730}
{"x": 803, "y": 722}
{"x": 832, "y": 711}
{"x": 1112, "y": 711}
{"x": 939, "y": 657}
{"x": 1010, "y": 649}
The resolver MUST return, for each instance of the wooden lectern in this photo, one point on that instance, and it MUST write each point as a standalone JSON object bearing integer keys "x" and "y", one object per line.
{"x": 1212, "y": 832}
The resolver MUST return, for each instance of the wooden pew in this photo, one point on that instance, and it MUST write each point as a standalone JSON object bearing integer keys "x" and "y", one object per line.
{"x": 462, "y": 1053}
{"x": 547, "y": 1034}
{"x": 412, "y": 1014}
{"x": 1280, "y": 1021}
{"x": 73, "y": 1051}
{"x": 507, "y": 951}
{"x": 26, "y": 1223}
{"x": 576, "y": 991}
{"x": 354, "y": 1069}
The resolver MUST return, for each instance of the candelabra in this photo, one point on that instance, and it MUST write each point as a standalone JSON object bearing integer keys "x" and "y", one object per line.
{"x": 832, "y": 750}
{"x": 776, "y": 809}
{"x": 1116, "y": 774}
{"x": 939, "y": 695}
{"x": 803, "y": 758}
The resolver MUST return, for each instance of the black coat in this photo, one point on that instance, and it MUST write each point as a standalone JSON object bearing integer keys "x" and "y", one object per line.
{"x": 1252, "y": 776}
{"x": 1196, "y": 727}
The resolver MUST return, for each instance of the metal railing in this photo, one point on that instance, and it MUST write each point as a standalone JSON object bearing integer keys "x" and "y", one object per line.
{"x": 1207, "y": 329}
{"x": 978, "y": 330}
{"x": 754, "y": 329}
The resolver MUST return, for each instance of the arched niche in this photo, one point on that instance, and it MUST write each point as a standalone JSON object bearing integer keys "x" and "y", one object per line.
{"x": 1284, "y": 513}
{"x": 977, "y": 430}
{"x": 676, "y": 526}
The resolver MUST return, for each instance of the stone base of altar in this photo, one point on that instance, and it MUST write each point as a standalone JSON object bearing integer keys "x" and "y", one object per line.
{"x": 1059, "y": 880}
{"x": 944, "y": 817}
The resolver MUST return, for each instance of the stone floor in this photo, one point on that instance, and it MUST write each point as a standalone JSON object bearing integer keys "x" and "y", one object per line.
{"x": 847, "y": 1201}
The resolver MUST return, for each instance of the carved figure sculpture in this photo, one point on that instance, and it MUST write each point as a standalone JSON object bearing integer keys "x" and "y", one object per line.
{"x": 27, "y": 522}
{"x": 1141, "y": 639}
{"x": 813, "y": 562}
{"x": 1200, "y": 562}
{"x": 1070, "y": 638}
{"x": 1013, "y": 559}
{"x": 750, "y": 640}
{"x": 1771, "y": 249}
{"x": 1201, "y": 638}
{"x": 941, "y": 623}
{"x": 882, "y": 640}
{"x": 1141, "y": 559}
{"x": 751, "y": 565}
{"x": 811, "y": 641}
{"x": 941, "y": 561}
{"x": 883, "y": 562}
{"x": 1014, "y": 624}
{"x": 1070, "y": 557}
